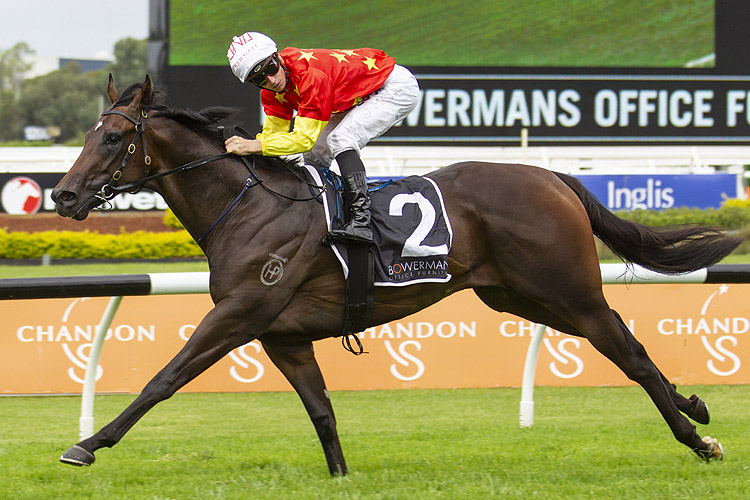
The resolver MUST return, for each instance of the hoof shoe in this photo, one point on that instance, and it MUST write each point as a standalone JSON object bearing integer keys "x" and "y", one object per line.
{"x": 77, "y": 456}
{"x": 700, "y": 411}
{"x": 716, "y": 452}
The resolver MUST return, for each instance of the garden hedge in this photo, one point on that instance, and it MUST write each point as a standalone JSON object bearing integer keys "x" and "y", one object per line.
{"x": 733, "y": 215}
{"x": 92, "y": 245}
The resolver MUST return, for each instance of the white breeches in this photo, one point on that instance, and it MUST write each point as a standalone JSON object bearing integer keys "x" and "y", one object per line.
{"x": 354, "y": 128}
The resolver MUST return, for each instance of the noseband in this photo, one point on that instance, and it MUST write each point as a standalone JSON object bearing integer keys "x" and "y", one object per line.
{"x": 110, "y": 190}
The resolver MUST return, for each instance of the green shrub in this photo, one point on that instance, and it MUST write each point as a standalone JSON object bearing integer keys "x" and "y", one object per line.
{"x": 736, "y": 202}
{"x": 88, "y": 245}
{"x": 733, "y": 214}
{"x": 171, "y": 220}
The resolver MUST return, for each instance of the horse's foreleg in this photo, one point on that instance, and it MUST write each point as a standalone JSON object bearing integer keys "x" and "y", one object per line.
{"x": 216, "y": 336}
{"x": 299, "y": 366}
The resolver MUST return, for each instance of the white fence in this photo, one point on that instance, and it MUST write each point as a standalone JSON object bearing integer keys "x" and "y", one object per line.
{"x": 408, "y": 160}
{"x": 404, "y": 160}
{"x": 39, "y": 160}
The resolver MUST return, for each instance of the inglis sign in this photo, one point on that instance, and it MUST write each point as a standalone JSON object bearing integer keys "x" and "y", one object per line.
{"x": 658, "y": 192}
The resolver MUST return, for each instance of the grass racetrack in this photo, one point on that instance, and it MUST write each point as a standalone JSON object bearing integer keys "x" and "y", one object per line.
{"x": 591, "y": 443}
{"x": 586, "y": 443}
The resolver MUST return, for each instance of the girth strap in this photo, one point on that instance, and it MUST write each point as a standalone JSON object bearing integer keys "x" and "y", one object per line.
{"x": 359, "y": 295}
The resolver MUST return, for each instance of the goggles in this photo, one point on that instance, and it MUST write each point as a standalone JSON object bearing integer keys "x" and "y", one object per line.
{"x": 259, "y": 75}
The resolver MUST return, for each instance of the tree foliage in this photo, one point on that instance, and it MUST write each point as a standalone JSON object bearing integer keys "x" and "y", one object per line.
{"x": 12, "y": 69}
{"x": 13, "y": 66}
{"x": 130, "y": 62}
{"x": 66, "y": 98}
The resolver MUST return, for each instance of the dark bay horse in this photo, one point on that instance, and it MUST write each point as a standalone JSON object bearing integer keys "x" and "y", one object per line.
{"x": 523, "y": 241}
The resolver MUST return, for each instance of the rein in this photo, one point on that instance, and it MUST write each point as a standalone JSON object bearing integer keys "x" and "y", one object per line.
{"x": 110, "y": 190}
{"x": 140, "y": 182}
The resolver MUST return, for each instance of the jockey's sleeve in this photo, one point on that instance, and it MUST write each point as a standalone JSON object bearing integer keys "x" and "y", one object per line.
{"x": 276, "y": 139}
{"x": 273, "y": 124}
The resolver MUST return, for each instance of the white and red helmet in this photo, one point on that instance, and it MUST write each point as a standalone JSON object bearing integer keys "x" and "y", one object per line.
{"x": 248, "y": 51}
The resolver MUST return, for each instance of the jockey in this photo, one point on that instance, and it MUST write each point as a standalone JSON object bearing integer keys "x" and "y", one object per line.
{"x": 342, "y": 98}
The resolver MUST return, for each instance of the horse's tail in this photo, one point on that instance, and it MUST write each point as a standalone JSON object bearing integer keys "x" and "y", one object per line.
{"x": 674, "y": 250}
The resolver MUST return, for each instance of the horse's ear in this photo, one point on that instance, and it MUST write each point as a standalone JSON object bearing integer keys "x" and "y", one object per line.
{"x": 111, "y": 90}
{"x": 144, "y": 97}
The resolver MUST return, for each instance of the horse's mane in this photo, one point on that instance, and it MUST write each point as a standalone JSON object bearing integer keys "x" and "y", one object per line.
{"x": 205, "y": 122}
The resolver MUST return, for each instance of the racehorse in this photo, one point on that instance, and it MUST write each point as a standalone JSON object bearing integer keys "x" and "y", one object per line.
{"x": 523, "y": 241}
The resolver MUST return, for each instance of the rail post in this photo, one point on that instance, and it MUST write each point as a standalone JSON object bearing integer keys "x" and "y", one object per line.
{"x": 86, "y": 422}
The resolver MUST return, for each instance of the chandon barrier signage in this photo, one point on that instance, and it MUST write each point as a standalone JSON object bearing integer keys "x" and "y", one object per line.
{"x": 699, "y": 334}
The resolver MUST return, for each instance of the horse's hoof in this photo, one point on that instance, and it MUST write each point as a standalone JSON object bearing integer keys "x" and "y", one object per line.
{"x": 77, "y": 456}
{"x": 715, "y": 452}
{"x": 699, "y": 412}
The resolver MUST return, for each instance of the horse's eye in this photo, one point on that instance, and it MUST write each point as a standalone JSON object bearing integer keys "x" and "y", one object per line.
{"x": 112, "y": 138}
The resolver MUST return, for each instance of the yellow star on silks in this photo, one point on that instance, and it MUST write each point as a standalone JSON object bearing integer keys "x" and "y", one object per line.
{"x": 306, "y": 55}
{"x": 280, "y": 97}
{"x": 370, "y": 63}
{"x": 348, "y": 52}
{"x": 340, "y": 57}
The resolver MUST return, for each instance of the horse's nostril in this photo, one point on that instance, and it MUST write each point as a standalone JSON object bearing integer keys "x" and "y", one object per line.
{"x": 63, "y": 196}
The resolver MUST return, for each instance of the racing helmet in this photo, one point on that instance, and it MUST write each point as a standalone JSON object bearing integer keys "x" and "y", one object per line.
{"x": 247, "y": 53}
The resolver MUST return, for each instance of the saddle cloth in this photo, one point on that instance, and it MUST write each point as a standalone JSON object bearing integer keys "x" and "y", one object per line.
{"x": 410, "y": 227}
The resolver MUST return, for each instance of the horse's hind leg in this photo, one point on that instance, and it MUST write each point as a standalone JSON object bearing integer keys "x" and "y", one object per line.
{"x": 502, "y": 299}
{"x": 694, "y": 407}
{"x": 299, "y": 366}
{"x": 607, "y": 332}
{"x": 612, "y": 338}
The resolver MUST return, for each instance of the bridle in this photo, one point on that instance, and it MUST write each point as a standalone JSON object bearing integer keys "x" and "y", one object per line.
{"x": 110, "y": 190}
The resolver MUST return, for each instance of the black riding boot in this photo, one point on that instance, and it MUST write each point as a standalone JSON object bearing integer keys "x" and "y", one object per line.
{"x": 355, "y": 182}
{"x": 358, "y": 227}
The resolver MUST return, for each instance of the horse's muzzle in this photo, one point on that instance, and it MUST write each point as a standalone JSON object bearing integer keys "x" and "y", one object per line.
{"x": 68, "y": 204}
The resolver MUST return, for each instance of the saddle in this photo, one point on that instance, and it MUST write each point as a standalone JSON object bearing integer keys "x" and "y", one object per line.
{"x": 411, "y": 232}
{"x": 411, "y": 229}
